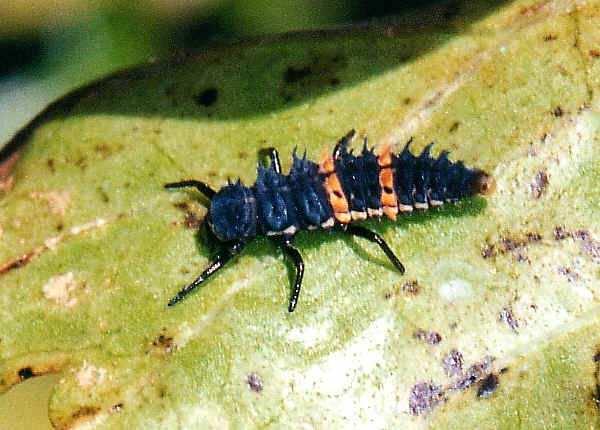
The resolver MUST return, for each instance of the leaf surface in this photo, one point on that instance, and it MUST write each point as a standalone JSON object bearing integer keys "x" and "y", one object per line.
{"x": 92, "y": 247}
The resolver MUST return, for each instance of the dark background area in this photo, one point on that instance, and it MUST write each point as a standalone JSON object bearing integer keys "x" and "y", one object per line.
{"x": 49, "y": 48}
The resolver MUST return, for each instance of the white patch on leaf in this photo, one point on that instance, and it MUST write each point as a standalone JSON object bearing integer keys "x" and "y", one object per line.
{"x": 455, "y": 290}
{"x": 58, "y": 201}
{"x": 310, "y": 335}
{"x": 60, "y": 288}
{"x": 347, "y": 381}
{"x": 90, "y": 375}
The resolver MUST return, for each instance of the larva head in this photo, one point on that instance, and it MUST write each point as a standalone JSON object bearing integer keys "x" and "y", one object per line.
{"x": 232, "y": 213}
{"x": 483, "y": 183}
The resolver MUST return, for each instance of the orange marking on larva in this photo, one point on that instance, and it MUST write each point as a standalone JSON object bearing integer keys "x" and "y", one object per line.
{"x": 342, "y": 217}
{"x": 390, "y": 212}
{"x": 326, "y": 166}
{"x": 389, "y": 200}
{"x": 384, "y": 159}
{"x": 337, "y": 199}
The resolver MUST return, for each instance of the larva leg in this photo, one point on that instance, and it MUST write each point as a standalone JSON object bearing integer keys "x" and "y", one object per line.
{"x": 217, "y": 264}
{"x": 201, "y": 186}
{"x": 359, "y": 231}
{"x": 285, "y": 243}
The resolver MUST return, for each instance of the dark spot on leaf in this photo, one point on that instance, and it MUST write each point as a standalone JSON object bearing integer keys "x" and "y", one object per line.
{"x": 453, "y": 363}
{"x": 595, "y": 53}
{"x": 103, "y": 196}
{"x": 295, "y": 74}
{"x": 550, "y": 37}
{"x": 242, "y": 155}
{"x": 569, "y": 273}
{"x": 488, "y": 251}
{"x": 487, "y": 386}
{"x": 192, "y": 219}
{"x": 15, "y": 263}
{"x": 507, "y": 316}
{"x": 428, "y": 336}
{"x": 26, "y": 373}
{"x": 207, "y": 97}
{"x": 411, "y": 287}
{"x": 334, "y": 82}
{"x": 539, "y": 184}
{"x": 85, "y": 411}
{"x": 560, "y": 233}
{"x": 454, "y": 126}
{"x": 596, "y": 393}
{"x": 515, "y": 246}
{"x": 81, "y": 162}
{"x": 588, "y": 245}
{"x": 164, "y": 342}
{"x": 117, "y": 408}
{"x": 424, "y": 396}
{"x": 60, "y": 226}
{"x": 255, "y": 382}
{"x": 558, "y": 112}
{"x": 473, "y": 374}
{"x": 50, "y": 164}
{"x": 407, "y": 100}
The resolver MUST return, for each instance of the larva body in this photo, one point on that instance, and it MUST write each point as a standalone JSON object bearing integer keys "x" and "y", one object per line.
{"x": 336, "y": 193}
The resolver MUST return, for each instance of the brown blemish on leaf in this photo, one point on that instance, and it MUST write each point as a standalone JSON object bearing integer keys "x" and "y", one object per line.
{"x": 488, "y": 385}
{"x": 560, "y": 233}
{"x": 6, "y": 166}
{"x": 428, "y": 336}
{"x": 533, "y": 9}
{"x": 50, "y": 164}
{"x": 539, "y": 184}
{"x": 58, "y": 201}
{"x": 596, "y": 393}
{"x": 453, "y": 363}
{"x": 588, "y": 245}
{"x": 507, "y": 316}
{"x": 424, "y": 396}
{"x": 550, "y": 37}
{"x": 79, "y": 417}
{"x": 473, "y": 374}
{"x": 454, "y": 126}
{"x": 515, "y": 246}
{"x": 32, "y": 369}
{"x": 594, "y": 53}
{"x": 164, "y": 343}
{"x": 409, "y": 288}
{"x": 116, "y": 408}
{"x": 17, "y": 262}
{"x": 193, "y": 217}
{"x": 407, "y": 101}
{"x": 255, "y": 382}
{"x": 569, "y": 273}
{"x": 50, "y": 243}
{"x": 558, "y": 112}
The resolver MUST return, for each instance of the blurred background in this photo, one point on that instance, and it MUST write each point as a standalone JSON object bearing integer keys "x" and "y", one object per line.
{"x": 48, "y": 47}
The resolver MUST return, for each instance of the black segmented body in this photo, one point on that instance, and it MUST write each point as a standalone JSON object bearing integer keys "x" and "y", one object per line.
{"x": 341, "y": 189}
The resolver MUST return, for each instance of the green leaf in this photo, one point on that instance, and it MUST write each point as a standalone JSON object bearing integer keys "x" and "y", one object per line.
{"x": 93, "y": 247}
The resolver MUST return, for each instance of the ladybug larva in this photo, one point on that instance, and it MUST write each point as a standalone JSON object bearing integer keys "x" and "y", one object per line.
{"x": 340, "y": 191}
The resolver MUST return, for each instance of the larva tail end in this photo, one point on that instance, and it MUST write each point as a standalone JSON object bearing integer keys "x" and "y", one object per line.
{"x": 483, "y": 183}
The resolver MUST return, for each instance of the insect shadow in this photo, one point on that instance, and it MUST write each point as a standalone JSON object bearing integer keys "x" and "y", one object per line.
{"x": 207, "y": 245}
